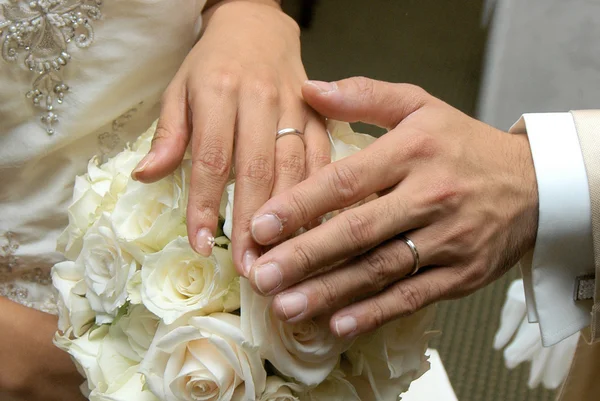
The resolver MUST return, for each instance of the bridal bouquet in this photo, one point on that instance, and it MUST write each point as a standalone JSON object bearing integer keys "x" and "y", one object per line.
{"x": 146, "y": 318}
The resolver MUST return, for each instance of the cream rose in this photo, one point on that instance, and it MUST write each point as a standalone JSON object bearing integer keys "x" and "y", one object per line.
{"x": 306, "y": 352}
{"x": 134, "y": 331}
{"x": 148, "y": 216}
{"x": 95, "y": 192}
{"x": 384, "y": 363}
{"x": 177, "y": 280}
{"x": 107, "y": 268}
{"x": 75, "y": 315}
{"x": 278, "y": 389}
{"x": 334, "y": 388}
{"x": 203, "y": 358}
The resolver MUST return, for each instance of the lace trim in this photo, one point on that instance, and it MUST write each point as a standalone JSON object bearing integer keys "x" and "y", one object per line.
{"x": 41, "y": 30}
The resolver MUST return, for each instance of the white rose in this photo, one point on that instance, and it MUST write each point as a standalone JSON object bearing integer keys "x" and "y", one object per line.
{"x": 346, "y": 142}
{"x": 143, "y": 143}
{"x": 278, "y": 389}
{"x": 93, "y": 193}
{"x": 335, "y": 388}
{"x": 228, "y": 212}
{"x": 306, "y": 351}
{"x": 383, "y": 364}
{"x": 149, "y": 216}
{"x": 75, "y": 315}
{"x": 203, "y": 358}
{"x": 177, "y": 280}
{"x": 84, "y": 351}
{"x": 107, "y": 268}
{"x": 134, "y": 288}
{"x": 134, "y": 332}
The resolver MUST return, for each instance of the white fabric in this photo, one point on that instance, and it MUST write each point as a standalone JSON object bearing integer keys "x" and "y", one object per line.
{"x": 115, "y": 86}
{"x": 563, "y": 248}
{"x": 433, "y": 385}
{"x": 549, "y": 366}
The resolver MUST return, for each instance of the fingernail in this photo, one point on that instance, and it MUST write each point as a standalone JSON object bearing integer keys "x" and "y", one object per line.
{"x": 266, "y": 228}
{"x": 142, "y": 165}
{"x": 204, "y": 242}
{"x": 248, "y": 260}
{"x": 293, "y": 304}
{"x": 268, "y": 278}
{"x": 345, "y": 325}
{"x": 323, "y": 87}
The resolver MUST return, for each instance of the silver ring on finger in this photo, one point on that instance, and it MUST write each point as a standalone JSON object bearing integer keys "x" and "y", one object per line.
{"x": 289, "y": 131}
{"x": 415, "y": 253}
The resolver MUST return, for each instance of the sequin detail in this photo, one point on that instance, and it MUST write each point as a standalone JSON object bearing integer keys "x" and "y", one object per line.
{"x": 39, "y": 32}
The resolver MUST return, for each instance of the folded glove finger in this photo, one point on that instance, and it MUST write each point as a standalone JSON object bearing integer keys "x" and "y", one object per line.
{"x": 539, "y": 365}
{"x": 513, "y": 313}
{"x": 560, "y": 361}
{"x": 525, "y": 345}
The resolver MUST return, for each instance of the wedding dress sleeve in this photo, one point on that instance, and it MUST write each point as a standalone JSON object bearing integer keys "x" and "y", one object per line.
{"x": 563, "y": 250}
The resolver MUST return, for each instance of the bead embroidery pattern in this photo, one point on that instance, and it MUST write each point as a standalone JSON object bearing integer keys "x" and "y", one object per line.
{"x": 40, "y": 31}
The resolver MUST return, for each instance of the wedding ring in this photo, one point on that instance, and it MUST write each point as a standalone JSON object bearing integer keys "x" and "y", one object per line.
{"x": 289, "y": 131}
{"x": 415, "y": 253}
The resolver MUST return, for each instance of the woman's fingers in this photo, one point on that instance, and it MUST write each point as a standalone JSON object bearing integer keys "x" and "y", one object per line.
{"x": 170, "y": 139}
{"x": 359, "y": 278}
{"x": 351, "y": 233}
{"x": 254, "y": 167}
{"x": 213, "y": 121}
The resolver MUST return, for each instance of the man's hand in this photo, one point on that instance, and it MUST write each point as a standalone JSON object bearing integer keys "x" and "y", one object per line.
{"x": 463, "y": 192}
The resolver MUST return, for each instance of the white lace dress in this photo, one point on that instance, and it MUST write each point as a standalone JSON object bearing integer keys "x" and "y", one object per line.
{"x": 78, "y": 78}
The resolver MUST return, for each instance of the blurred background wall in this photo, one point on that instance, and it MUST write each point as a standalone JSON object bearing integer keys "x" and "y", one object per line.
{"x": 493, "y": 59}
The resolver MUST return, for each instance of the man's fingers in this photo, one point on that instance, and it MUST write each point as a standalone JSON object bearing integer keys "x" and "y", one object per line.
{"x": 361, "y": 277}
{"x": 351, "y": 233}
{"x": 362, "y": 99}
{"x": 170, "y": 139}
{"x": 213, "y": 119}
{"x": 318, "y": 146}
{"x": 334, "y": 187}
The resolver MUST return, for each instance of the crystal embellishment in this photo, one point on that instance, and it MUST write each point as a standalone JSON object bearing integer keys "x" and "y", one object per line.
{"x": 39, "y": 32}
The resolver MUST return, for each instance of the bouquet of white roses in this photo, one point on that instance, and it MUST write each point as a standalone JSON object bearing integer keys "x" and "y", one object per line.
{"x": 146, "y": 318}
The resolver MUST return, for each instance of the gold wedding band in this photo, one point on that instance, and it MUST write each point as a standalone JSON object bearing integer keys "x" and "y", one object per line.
{"x": 289, "y": 131}
{"x": 413, "y": 249}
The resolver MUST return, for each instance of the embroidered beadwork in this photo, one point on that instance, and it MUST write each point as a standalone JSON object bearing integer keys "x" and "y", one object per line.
{"x": 109, "y": 141}
{"x": 8, "y": 249}
{"x": 40, "y": 31}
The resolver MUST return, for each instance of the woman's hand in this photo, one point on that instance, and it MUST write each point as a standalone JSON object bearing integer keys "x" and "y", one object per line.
{"x": 32, "y": 368}
{"x": 462, "y": 191}
{"x": 239, "y": 85}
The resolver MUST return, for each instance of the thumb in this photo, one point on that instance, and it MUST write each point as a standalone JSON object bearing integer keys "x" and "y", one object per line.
{"x": 362, "y": 99}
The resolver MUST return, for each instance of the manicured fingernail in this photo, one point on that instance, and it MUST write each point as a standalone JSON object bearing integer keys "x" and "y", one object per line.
{"x": 204, "y": 242}
{"x": 248, "y": 260}
{"x": 142, "y": 165}
{"x": 268, "y": 278}
{"x": 345, "y": 326}
{"x": 293, "y": 304}
{"x": 323, "y": 87}
{"x": 266, "y": 228}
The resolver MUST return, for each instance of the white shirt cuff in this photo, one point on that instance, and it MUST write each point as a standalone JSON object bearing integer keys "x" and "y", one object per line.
{"x": 563, "y": 249}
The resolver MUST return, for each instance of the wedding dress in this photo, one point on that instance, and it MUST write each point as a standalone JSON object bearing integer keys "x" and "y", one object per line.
{"x": 78, "y": 78}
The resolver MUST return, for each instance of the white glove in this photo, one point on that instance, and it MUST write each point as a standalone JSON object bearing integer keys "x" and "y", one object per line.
{"x": 548, "y": 365}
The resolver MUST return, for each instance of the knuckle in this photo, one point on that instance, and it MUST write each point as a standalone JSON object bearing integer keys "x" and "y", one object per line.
{"x": 410, "y": 298}
{"x": 419, "y": 144}
{"x": 378, "y": 269}
{"x": 214, "y": 159}
{"x": 302, "y": 257}
{"x": 358, "y": 227}
{"x": 328, "y": 293}
{"x": 299, "y": 204}
{"x": 319, "y": 158}
{"x": 292, "y": 166}
{"x": 377, "y": 313}
{"x": 225, "y": 81}
{"x": 258, "y": 170}
{"x": 364, "y": 87}
{"x": 344, "y": 183}
{"x": 264, "y": 91}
